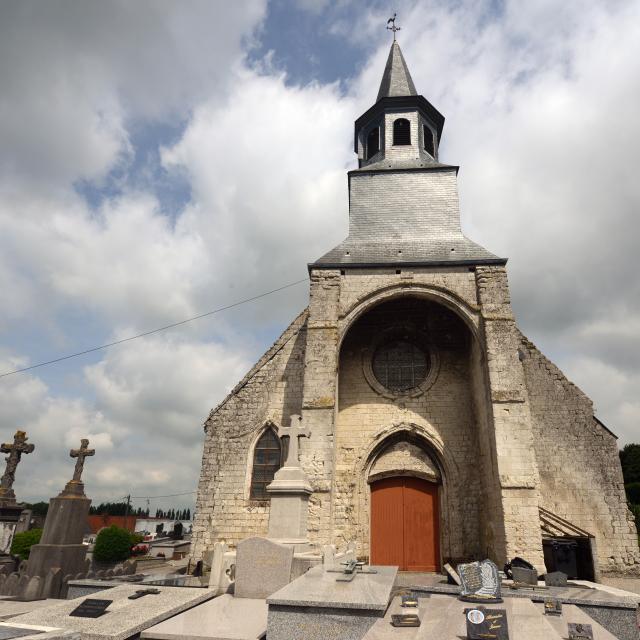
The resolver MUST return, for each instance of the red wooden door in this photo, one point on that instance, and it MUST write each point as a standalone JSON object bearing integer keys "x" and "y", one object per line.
{"x": 404, "y": 524}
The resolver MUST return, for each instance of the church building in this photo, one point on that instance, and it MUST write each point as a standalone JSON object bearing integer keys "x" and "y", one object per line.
{"x": 438, "y": 431}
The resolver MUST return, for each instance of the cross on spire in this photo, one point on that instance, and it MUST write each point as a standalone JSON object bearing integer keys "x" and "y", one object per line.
{"x": 81, "y": 453}
{"x": 293, "y": 432}
{"x": 15, "y": 452}
{"x": 393, "y": 28}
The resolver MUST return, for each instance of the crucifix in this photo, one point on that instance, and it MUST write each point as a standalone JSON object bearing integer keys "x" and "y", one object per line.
{"x": 15, "y": 452}
{"x": 392, "y": 22}
{"x": 293, "y": 432}
{"x": 81, "y": 454}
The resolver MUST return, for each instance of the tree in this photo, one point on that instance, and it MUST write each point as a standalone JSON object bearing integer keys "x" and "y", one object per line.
{"x": 630, "y": 461}
{"x": 633, "y": 492}
{"x": 38, "y": 508}
{"x": 188, "y": 514}
{"x": 113, "y": 544}
{"x": 22, "y": 542}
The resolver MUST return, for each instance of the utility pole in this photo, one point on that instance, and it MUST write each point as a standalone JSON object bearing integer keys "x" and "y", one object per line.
{"x": 126, "y": 513}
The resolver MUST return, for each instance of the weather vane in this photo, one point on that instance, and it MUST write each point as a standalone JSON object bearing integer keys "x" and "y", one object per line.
{"x": 392, "y": 22}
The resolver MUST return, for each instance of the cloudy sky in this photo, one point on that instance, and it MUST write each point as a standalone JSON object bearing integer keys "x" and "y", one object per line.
{"x": 162, "y": 159}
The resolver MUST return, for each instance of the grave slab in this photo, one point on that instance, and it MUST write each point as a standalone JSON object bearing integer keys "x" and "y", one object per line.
{"x": 224, "y": 618}
{"x": 571, "y": 613}
{"x": 8, "y": 631}
{"x": 124, "y": 617}
{"x": 12, "y": 608}
{"x": 316, "y": 606}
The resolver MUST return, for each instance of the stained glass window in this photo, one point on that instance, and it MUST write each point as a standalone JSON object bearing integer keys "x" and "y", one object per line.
{"x": 266, "y": 461}
{"x": 400, "y": 365}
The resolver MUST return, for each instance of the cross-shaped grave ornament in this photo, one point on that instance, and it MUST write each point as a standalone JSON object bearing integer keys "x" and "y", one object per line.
{"x": 81, "y": 454}
{"x": 75, "y": 487}
{"x": 293, "y": 432}
{"x": 15, "y": 452}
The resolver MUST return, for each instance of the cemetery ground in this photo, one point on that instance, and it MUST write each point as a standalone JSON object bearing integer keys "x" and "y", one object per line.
{"x": 281, "y": 587}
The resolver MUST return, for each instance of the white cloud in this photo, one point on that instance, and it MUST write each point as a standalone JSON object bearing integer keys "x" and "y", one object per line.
{"x": 539, "y": 103}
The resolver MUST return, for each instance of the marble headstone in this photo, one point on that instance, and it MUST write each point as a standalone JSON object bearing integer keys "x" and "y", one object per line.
{"x": 556, "y": 579}
{"x": 262, "y": 567}
{"x": 524, "y": 575}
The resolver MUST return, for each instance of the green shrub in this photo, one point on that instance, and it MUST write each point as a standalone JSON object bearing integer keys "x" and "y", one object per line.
{"x": 22, "y": 542}
{"x": 633, "y": 492}
{"x": 113, "y": 544}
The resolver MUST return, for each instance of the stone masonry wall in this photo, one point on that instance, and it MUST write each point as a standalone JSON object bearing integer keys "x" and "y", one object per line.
{"x": 442, "y": 415}
{"x": 270, "y": 393}
{"x": 580, "y": 473}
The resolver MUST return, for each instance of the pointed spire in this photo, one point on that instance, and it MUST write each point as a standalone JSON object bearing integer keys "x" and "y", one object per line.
{"x": 396, "y": 79}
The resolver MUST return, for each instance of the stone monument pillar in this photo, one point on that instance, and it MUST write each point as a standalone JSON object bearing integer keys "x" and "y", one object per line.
{"x": 9, "y": 509}
{"x": 289, "y": 493}
{"x": 61, "y": 543}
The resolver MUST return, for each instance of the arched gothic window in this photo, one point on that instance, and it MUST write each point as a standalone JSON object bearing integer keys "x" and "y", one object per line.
{"x": 267, "y": 457}
{"x": 401, "y": 131}
{"x": 373, "y": 142}
{"x": 427, "y": 134}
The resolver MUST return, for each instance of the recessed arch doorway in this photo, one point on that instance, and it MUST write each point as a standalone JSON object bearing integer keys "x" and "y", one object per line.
{"x": 405, "y": 523}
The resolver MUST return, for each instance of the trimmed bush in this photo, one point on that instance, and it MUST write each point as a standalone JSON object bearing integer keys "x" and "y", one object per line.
{"x": 22, "y": 542}
{"x": 113, "y": 544}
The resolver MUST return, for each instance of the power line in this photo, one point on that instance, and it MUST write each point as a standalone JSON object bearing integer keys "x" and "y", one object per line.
{"x": 170, "y": 495}
{"x": 152, "y": 331}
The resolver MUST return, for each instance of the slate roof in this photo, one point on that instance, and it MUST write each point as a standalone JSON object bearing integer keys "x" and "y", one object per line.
{"x": 396, "y": 79}
{"x": 432, "y": 252}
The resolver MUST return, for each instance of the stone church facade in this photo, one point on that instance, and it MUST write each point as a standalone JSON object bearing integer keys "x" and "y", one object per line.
{"x": 417, "y": 386}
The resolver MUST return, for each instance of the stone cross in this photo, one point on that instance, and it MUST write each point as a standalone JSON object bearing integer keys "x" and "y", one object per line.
{"x": 81, "y": 454}
{"x": 293, "y": 432}
{"x": 15, "y": 452}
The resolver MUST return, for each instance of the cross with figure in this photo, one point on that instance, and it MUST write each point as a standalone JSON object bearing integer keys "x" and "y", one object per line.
{"x": 293, "y": 432}
{"x": 81, "y": 454}
{"x": 392, "y": 22}
{"x": 15, "y": 452}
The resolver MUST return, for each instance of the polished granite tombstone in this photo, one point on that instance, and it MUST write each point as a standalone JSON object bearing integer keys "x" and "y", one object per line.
{"x": 317, "y": 606}
{"x": 124, "y": 617}
{"x": 262, "y": 567}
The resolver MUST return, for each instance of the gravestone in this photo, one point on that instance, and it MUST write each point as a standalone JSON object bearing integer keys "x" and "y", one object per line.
{"x": 486, "y": 623}
{"x": 61, "y": 543}
{"x": 262, "y": 567}
{"x": 556, "y": 579}
{"x": 524, "y": 575}
{"x": 480, "y": 582}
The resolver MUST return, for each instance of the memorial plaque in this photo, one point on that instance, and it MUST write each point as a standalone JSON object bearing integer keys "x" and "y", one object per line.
{"x": 486, "y": 623}
{"x": 580, "y": 631}
{"x": 552, "y": 607}
{"x": 91, "y": 608}
{"x": 556, "y": 579}
{"x": 410, "y": 600}
{"x": 480, "y": 582}
{"x": 405, "y": 620}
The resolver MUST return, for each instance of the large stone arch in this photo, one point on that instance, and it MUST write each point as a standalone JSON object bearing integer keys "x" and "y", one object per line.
{"x": 469, "y": 314}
